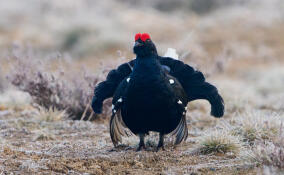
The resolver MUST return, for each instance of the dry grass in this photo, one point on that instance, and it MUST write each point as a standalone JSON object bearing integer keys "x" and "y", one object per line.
{"x": 64, "y": 89}
{"x": 270, "y": 153}
{"x": 239, "y": 48}
{"x": 85, "y": 147}
{"x": 51, "y": 115}
{"x": 219, "y": 141}
{"x": 43, "y": 135}
{"x": 255, "y": 125}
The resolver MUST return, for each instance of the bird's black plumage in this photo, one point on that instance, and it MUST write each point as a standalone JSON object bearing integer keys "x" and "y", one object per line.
{"x": 152, "y": 98}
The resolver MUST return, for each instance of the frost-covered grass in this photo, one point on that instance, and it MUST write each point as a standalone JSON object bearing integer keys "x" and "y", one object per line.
{"x": 248, "y": 137}
{"x": 238, "y": 47}
{"x": 256, "y": 125}
{"x": 219, "y": 141}
{"x": 51, "y": 114}
{"x": 270, "y": 153}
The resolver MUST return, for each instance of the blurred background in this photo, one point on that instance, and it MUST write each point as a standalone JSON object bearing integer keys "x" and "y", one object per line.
{"x": 238, "y": 44}
{"x": 53, "y": 53}
{"x": 200, "y": 30}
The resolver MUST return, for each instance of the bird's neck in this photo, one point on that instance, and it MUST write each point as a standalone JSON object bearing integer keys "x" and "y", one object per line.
{"x": 148, "y": 64}
{"x": 146, "y": 54}
{"x": 151, "y": 59}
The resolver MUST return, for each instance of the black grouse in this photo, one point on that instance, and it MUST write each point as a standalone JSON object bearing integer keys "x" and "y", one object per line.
{"x": 151, "y": 93}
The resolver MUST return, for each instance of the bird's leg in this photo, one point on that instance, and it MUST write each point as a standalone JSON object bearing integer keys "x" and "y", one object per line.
{"x": 161, "y": 142}
{"x": 141, "y": 143}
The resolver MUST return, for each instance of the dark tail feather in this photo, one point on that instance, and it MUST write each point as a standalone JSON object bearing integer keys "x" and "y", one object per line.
{"x": 181, "y": 132}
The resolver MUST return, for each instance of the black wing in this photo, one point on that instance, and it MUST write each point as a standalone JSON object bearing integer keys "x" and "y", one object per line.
{"x": 107, "y": 88}
{"x": 195, "y": 85}
{"x": 192, "y": 81}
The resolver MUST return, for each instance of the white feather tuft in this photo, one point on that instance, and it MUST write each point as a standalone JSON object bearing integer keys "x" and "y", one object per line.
{"x": 171, "y": 53}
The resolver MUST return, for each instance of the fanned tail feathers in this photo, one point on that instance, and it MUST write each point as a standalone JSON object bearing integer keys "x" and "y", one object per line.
{"x": 117, "y": 128}
{"x": 181, "y": 132}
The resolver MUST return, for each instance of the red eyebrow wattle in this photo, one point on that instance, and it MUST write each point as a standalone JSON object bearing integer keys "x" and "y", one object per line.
{"x": 145, "y": 36}
{"x": 137, "y": 36}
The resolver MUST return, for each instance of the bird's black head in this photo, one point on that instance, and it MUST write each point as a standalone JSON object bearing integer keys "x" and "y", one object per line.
{"x": 144, "y": 46}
